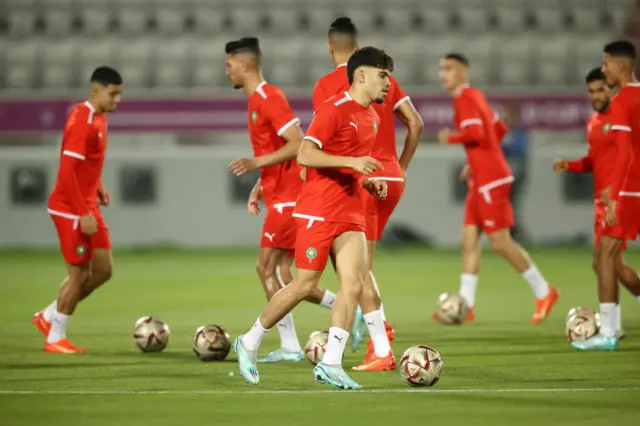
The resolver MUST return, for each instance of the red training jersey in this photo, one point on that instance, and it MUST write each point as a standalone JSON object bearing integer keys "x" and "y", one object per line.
{"x": 601, "y": 154}
{"x": 625, "y": 122}
{"x": 84, "y": 145}
{"x": 476, "y": 129}
{"x": 341, "y": 127}
{"x": 334, "y": 83}
{"x": 269, "y": 117}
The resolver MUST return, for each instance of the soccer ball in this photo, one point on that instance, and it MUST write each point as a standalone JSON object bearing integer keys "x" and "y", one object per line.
{"x": 211, "y": 343}
{"x": 316, "y": 345}
{"x": 580, "y": 311}
{"x": 451, "y": 309}
{"x": 151, "y": 334}
{"x": 581, "y": 327}
{"x": 421, "y": 366}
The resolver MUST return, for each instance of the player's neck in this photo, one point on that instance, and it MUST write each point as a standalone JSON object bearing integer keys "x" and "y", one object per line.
{"x": 625, "y": 80}
{"x": 95, "y": 106}
{"x": 457, "y": 89}
{"x": 360, "y": 98}
{"x": 251, "y": 83}
{"x": 341, "y": 58}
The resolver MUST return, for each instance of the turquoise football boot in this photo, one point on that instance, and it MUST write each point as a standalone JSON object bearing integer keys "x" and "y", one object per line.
{"x": 246, "y": 362}
{"x": 334, "y": 376}
{"x": 282, "y": 355}
{"x": 597, "y": 343}
{"x": 358, "y": 329}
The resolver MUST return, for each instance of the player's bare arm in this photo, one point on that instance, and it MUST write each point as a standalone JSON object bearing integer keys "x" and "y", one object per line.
{"x": 292, "y": 137}
{"x": 253, "y": 205}
{"x": 310, "y": 155}
{"x": 408, "y": 115}
{"x": 104, "y": 195}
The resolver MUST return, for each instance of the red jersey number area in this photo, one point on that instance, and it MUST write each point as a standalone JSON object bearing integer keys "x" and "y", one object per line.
{"x": 331, "y": 201}
{"x": 77, "y": 248}
{"x": 269, "y": 117}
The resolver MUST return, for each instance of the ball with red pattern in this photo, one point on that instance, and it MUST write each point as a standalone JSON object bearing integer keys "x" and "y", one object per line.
{"x": 451, "y": 309}
{"x": 581, "y": 327}
{"x": 151, "y": 334}
{"x": 421, "y": 366}
{"x": 316, "y": 345}
{"x": 211, "y": 343}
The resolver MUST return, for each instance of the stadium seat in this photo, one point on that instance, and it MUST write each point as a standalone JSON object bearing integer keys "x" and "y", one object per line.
{"x": 435, "y": 20}
{"x": 364, "y": 16}
{"x": 170, "y": 19}
{"x": 549, "y": 18}
{"x": 172, "y": 61}
{"x": 94, "y": 54}
{"x": 96, "y": 20}
{"x": 480, "y": 51}
{"x": 282, "y": 60}
{"x": 510, "y": 16}
{"x": 21, "y": 23}
{"x": 245, "y": 18}
{"x": 133, "y": 60}
{"x": 586, "y": 19}
{"x": 399, "y": 19}
{"x": 208, "y": 19}
{"x": 283, "y": 19}
{"x": 59, "y": 68}
{"x": 208, "y": 66}
{"x": 133, "y": 20}
{"x": 473, "y": 18}
{"x": 554, "y": 61}
{"x": 588, "y": 54}
{"x": 430, "y": 55}
{"x": 514, "y": 60}
{"x": 23, "y": 59}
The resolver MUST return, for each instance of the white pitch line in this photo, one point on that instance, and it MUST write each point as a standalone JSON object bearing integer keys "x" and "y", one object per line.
{"x": 308, "y": 392}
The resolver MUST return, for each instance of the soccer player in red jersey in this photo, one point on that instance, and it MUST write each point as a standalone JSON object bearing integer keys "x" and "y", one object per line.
{"x": 342, "y": 42}
{"x": 600, "y": 160}
{"x": 74, "y": 208}
{"x": 330, "y": 214}
{"x": 622, "y": 191}
{"x": 488, "y": 208}
{"x": 275, "y": 135}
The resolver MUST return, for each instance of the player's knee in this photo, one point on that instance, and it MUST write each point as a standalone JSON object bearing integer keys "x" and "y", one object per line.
{"x": 594, "y": 265}
{"x": 352, "y": 286}
{"x": 103, "y": 274}
{"x": 79, "y": 276}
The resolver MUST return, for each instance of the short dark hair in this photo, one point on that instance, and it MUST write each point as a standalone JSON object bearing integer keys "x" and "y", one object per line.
{"x": 344, "y": 26}
{"x": 459, "y": 57}
{"x": 105, "y": 76}
{"x": 368, "y": 57}
{"x": 245, "y": 44}
{"x": 595, "y": 74}
{"x": 621, "y": 48}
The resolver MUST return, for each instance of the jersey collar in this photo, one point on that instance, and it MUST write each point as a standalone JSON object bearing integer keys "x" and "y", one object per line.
{"x": 460, "y": 89}
{"x": 341, "y": 65}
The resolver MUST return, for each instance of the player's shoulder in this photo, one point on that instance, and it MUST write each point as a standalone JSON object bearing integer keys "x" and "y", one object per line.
{"x": 630, "y": 94}
{"x": 266, "y": 91}
{"x": 80, "y": 112}
{"x": 335, "y": 105}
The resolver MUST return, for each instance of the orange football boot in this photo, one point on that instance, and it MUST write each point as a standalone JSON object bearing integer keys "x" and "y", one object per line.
{"x": 63, "y": 346}
{"x": 544, "y": 306}
{"x": 375, "y": 363}
{"x": 41, "y": 324}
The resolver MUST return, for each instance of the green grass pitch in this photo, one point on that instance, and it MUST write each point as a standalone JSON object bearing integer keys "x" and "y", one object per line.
{"x": 499, "y": 370}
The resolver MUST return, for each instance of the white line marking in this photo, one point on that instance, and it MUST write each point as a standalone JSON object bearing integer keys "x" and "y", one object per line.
{"x": 309, "y": 392}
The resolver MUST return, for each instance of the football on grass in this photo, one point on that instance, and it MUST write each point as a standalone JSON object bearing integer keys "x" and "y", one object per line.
{"x": 421, "y": 366}
{"x": 581, "y": 327}
{"x": 580, "y": 311}
{"x": 451, "y": 309}
{"x": 211, "y": 343}
{"x": 151, "y": 334}
{"x": 315, "y": 347}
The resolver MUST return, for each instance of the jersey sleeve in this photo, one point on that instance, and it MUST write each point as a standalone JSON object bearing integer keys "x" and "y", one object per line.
{"x": 398, "y": 96}
{"x": 74, "y": 151}
{"x": 621, "y": 126}
{"x": 471, "y": 124}
{"x": 75, "y": 135}
{"x": 277, "y": 110}
{"x": 324, "y": 126}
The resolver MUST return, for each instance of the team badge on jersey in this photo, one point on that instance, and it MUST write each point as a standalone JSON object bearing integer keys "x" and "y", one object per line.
{"x": 81, "y": 250}
{"x": 375, "y": 125}
{"x": 254, "y": 116}
{"x": 607, "y": 127}
{"x": 311, "y": 253}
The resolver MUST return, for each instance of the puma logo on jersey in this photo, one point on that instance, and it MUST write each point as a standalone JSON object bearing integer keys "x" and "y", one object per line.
{"x": 269, "y": 236}
{"x": 351, "y": 123}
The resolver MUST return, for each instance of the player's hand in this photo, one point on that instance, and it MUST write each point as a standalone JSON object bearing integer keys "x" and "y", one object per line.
{"x": 104, "y": 195}
{"x": 377, "y": 188}
{"x": 560, "y": 165}
{"x": 611, "y": 218}
{"x": 365, "y": 165}
{"x": 242, "y": 166}
{"x": 303, "y": 173}
{"x": 605, "y": 195}
{"x": 443, "y": 136}
{"x": 88, "y": 224}
{"x": 465, "y": 173}
{"x": 253, "y": 205}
